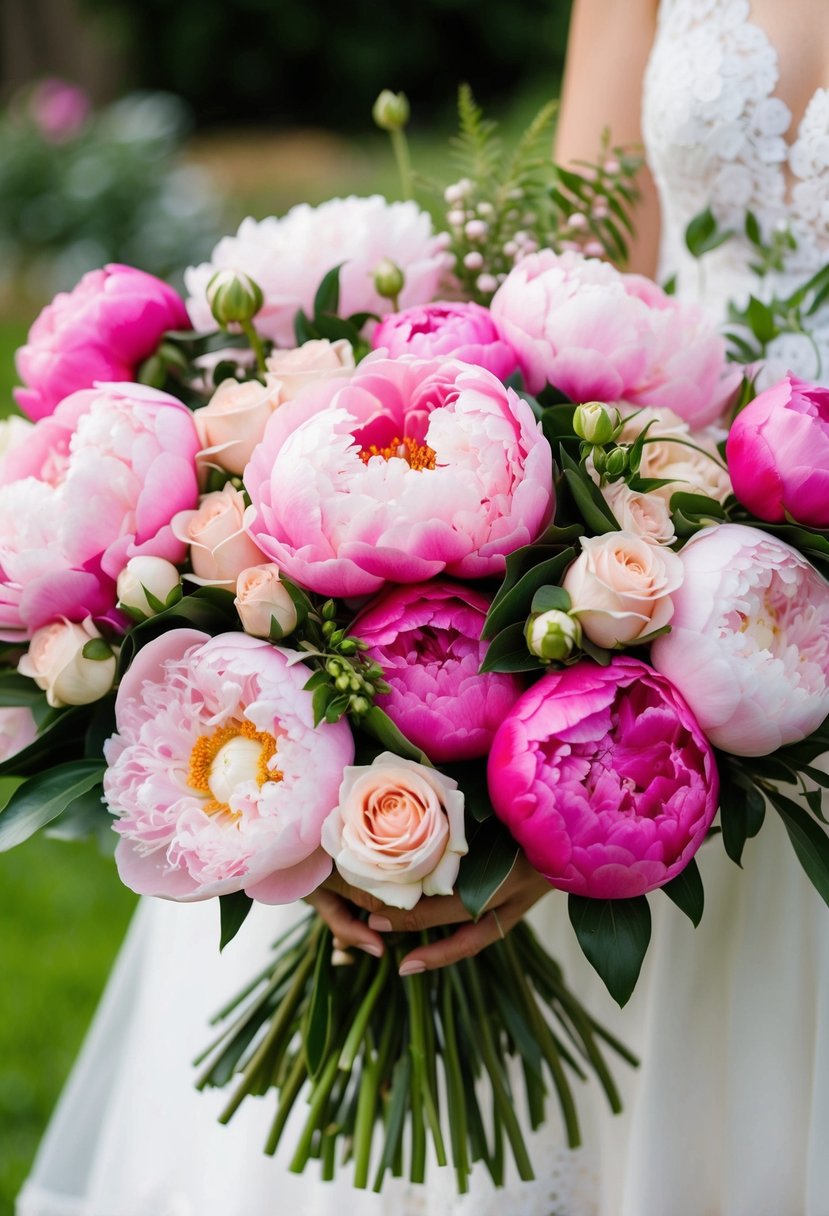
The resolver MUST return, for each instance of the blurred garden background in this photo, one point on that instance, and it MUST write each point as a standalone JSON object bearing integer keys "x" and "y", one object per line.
{"x": 141, "y": 130}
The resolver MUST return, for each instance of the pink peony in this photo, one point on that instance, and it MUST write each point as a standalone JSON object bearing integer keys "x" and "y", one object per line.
{"x": 288, "y": 257}
{"x": 409, "y": 469}
{"x": 604, "y": 778}
{"x": 101, "y": 330}
{"x": 778, "y": 453}
{"x": 427, "y": 640}
{"x": 17, "y": 730}
{"x": 749, "y": 641}
{"x": 457, "y": 329}
{"x": 597, "y": 334}
{"x": 217, "y": 776}
{"x": 95, "y": 484}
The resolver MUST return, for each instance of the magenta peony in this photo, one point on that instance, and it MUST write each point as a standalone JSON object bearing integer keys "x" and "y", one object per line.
{"x": 410, "y": 469}
{"x": 95, "y": 484}
{"x": 101, "y": 330}
{"x": 749, "y": 640}
{"x": 455, "y": 329}
{"x": 427, "y": 640}
{"x": 218, "y": 779}
{"x": 778, "y": 453}
{"x": 599, "y": 335}
{"x": 604, "y": 778}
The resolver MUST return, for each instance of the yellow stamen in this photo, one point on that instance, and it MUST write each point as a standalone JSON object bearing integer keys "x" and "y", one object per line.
{"x": 418, "y": 456}
{"x": 206, "y": 749}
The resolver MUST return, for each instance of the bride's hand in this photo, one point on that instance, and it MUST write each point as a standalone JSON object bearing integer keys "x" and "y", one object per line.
{"x": 334, "y": 902}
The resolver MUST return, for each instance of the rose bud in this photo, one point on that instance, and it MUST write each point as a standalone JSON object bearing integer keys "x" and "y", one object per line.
{"x": 596, "y": 422}
{"x": 391, "y": 111}
{"x": 552, "y": 635}
{"x": 147, "y": 582}
{"x": 234, "y": 297}
{"x": 262, "y": 602}
{"x": 71, "y": 662}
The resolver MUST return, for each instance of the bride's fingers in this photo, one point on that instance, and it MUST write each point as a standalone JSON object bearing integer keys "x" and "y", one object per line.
{"x": 428, "y": 912}
{"x": 347, "y": 928}
{"x": 463, "y": 943}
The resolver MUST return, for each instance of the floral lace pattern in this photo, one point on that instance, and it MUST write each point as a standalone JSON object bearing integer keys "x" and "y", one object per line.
{"x": 718, "y": 136}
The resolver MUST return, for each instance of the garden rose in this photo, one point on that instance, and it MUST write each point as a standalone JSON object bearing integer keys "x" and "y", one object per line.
{"x": 220, "y": 549}
{"x": 427, "y": 639}
{"x": 100, "y": 331}
{"x": 604, "y": 778}
{"x": 778, "y": 453}
{"x": 406, "y": 470}
{"x": 620, "y": 587}
{"x": 288, "y": 257}
{"x": 17, "y": 730}
{"x": 749, "y": 641}
{"x": 261, "y": 598}
{"x": 689, "y": 461}
{"x": 96, "y": 484}
{"x": 455, "y": 329}
{"x": 646, "y": 515}
{"x": 319, "y": 359}
{"x": 143, "y": 575}
{"x": 233, "y": 421}
{"x": 397, "y": 831}
{"x": 218, "y": 779}
{"x": 57, "y": 664}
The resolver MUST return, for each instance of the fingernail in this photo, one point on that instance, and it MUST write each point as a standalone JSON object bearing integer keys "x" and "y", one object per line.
{"x": 413, "y": 967}
{"x": 372, "y": 948}
{"x": 381, "y": 923}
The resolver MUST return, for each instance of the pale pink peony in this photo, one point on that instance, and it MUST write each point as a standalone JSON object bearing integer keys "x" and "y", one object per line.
{"x": 410, "y": 469}
{"x": 17, "y": 730}
{"x": 599, "y": 335}
{"x": 100, "y": 331}
{"x": 95, "y": 484}
{"x": 749, "y": 640}
{"x": 217, "y": 776}
{"x": 455, "y": 329}
{"x": 427, "y": 639}
{"x": 604, "y": 778}
{"x": 289, "y": 256}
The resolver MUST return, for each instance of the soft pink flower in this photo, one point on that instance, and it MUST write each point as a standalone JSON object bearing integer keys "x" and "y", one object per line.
{"x": 95, "y": 484}
{"x": 288, "y": 257}
{"x": 292, "y": 370}
{"x": 100, "y": 331}
{"x": 17, "y": 730}
{"x": 778, "y": 453}
{"x": 427, "y": 638}
{"x": 599, "y": 335}
{"x": 749, "y": 640}
{"x": 220, "y": 549}
{"x": 58, "y": 109}
{"x": 455, "y": 329}
{"x": 409, "y": 469}
{"x": 57, "y": 664}
{"x": 217, "y": 776}
{"x": 233, "y": 422}
{"x": 261, "y": 599}
{"x": 604, "y": 778}
{"x": 397, "y": 831}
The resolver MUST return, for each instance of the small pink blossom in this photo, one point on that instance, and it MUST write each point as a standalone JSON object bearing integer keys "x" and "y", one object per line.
{"x": 455, "y": 329}
{"x": 220, "y": 549}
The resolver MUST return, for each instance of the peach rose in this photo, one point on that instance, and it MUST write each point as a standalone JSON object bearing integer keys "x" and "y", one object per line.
{"x": 220, "y": 549}
{"x": 645, "y": 515}
{"x": 290, "y": 370}
{"x": 57, "y": 663}
{"x": 261, "y": 599}
{"x": 688, "y": 459}
{"x": 620, "y": 587}
{"x": 398, "y": 830}
{"x": 233, "y": 421}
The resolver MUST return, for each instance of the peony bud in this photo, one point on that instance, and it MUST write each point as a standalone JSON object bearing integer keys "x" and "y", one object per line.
{"x": 262, "y": 601}
{"x": 552, "y": 635}
{"x": 148, "y": 585}
{"x": 596, "y": 423}
{"x": 391, "y": 111}
{"x": 233, "y": 296}
{"x": 388, "y": 279}
{"x": 71, "y": 662}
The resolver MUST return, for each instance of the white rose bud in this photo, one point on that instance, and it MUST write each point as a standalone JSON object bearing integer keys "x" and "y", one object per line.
{"x": 147, "y": 576}
{"x": 389, "y": 279}
{"x": 71, "y": 662}
{"x": 261, "y": 599}
{"x": 552, "y": 635}
{"x": 596, "y": 422}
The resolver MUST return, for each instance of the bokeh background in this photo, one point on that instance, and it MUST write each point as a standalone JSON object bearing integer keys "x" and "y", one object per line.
{"x": 141, "y": 130}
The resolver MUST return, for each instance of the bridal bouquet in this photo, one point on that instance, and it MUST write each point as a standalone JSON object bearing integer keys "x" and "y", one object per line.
{"x": 410, "y": 557}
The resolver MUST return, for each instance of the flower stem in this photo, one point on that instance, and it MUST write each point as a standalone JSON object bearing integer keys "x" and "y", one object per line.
{"x": 256, "y": 345}
{"x": 400, "y": 146}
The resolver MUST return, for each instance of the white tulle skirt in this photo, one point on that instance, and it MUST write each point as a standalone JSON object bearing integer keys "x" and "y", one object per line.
{"x": 728, "y": 1116}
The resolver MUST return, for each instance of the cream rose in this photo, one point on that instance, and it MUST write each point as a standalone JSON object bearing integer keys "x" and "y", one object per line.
{"x": 688, "y": 459}
{"x": 398, "y": 830}
{"x": 143, "y": 576}
{"x": 620, "y": 587}
{"x": 645, "y": 515}
{"x": 261, "y": 598}
{"x": 220, "y": 549}
{"x": 233, "y": 421}
{"x": 57, "y": 664}
{"x": 290, "y": 370}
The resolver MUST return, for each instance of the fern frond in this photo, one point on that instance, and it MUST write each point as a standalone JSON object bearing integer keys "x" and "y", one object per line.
{"x": 477, "y": 148}
{"x": 532, "y": 157}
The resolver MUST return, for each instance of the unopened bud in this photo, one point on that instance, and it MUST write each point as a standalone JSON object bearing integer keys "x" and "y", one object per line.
{"x": 552, "y": 635}
{"x": 596, "y": 422}
{"x": 617, "y": 462}
{"x": 234, "y": 297}
{"x": 148, "y": 585}
{"x": 388, "y": 279}
{"x": 391, "y": 111}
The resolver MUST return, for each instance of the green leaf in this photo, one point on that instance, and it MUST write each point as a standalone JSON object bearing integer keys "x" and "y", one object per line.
{"x": 809, "y": 841}
{"x": 300, "y": 600}
{"x": 327, "y": 298}
{"x": 233, "y": 911}
{"x": 597, "y": 653}
{"x": 17, "y": 690}
{"x": 60, "y": 739}
{"x": 742, "y": 810}
{"x": 303, "y": 329}
{"x": 752, "y": 229}
{"x": 87, "y": 815}
{"x": 320, "y": 701}
{"x": 209, "y": 609}
{"x": 597, "y": 514}
{"x": 471, "y": 778}
{"x": 379, "y": 725}
{"x": 44, "y": 797}
{"x": 529, "y": 557}
{"x": 508, "y": 652}
{"x": 761, "y": 320}
{"x": 318, "y": 680}
{"x": 97, "y": 649}
{"x": 614, "y": 935}
{"x": 492, "y": 855}
{"x": 316, "y": 1031}
{"x": 514, "y": 605}
{"x": 551, "y": 599}
{"x": 100, "y": 727}
{"x": 703, "y": 234}
{"x": 686, "y": 892}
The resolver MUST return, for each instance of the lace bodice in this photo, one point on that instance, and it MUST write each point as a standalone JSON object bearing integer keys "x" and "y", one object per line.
{"x": 718, "y": 136}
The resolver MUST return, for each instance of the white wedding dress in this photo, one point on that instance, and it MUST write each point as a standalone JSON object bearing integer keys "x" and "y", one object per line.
{"x": 729, "y": 1114}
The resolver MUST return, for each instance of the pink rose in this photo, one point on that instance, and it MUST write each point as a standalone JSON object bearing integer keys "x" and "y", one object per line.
{"x": 604, "y": 778}
{"x": 95, "y": 484}
{"x": 455, "y": 329}
{"x": 778, "y": 453}
{"x": 100, "y": 331}
{"x": 57, "y": 664}
{"x": 17, "y": 730}
{"x": 261, "y": 599}
{"x": 409, "y": 469}
{"x": 427, "y": 639}
{"x": 233, "y": 422}
{"x": 217, "y": 776}
{"x": 220, "y": 549}
{"x": 620, "y": 587}
{"x": 397, "y": 831}
{"x": 319, "y": 359}
{"x": 749, "y": 641}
